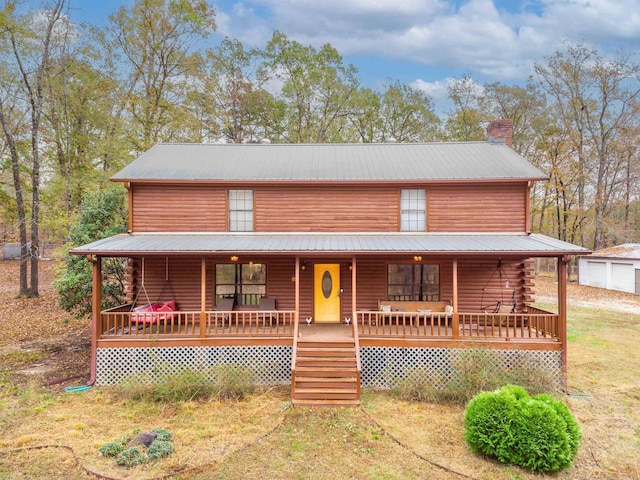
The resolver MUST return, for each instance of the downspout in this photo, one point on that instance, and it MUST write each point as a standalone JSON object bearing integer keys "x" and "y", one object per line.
{"x": 96, "y": 303}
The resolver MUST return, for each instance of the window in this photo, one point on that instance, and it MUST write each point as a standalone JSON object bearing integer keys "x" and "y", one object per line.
{"x": 241, "y": 210}
{"x": 246, "y": 283}
{"x": 413, "y": 210}
{"x": 416, "y": 282}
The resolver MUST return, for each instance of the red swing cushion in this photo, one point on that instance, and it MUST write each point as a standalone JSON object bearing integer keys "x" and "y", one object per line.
{"x": 147, "y": 313}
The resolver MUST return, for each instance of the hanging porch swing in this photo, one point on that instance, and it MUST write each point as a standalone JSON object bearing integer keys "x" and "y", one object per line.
{"x": 153, "y": 312}
{"x": 500, "y": 299}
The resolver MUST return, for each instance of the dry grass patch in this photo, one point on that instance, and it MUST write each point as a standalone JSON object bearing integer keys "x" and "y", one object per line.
{"x": 203, "y": 431}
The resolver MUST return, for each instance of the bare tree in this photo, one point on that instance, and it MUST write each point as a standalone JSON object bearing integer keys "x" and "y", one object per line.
{"x": 28, "y": 40}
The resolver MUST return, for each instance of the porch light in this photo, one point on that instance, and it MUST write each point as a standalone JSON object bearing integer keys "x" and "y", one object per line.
{"x": 303, "y": 265}
{"x": 417, "y": 258}
{"x": 234, "y": 258}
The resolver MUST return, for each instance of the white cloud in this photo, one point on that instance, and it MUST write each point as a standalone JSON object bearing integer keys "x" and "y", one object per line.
{"x": 477, "y": 36}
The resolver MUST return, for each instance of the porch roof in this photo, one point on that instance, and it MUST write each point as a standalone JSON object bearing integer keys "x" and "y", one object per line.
{"x": 534, "y": 245}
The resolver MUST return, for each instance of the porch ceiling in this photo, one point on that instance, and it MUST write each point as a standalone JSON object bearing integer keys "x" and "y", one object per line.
{"x": 533, "y": 245}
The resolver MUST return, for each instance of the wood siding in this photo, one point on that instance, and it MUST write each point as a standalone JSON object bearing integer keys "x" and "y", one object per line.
{"x": 479, "y": 283}
{"x": 318, "y": 208}
{"x": 178, "y": 208}
{"x": 477, "y": 208}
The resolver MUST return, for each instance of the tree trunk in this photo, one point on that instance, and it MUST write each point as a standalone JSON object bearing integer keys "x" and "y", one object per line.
{"x": 17, "y": 185}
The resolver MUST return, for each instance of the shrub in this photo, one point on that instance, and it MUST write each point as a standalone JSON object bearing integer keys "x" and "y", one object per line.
{"x": 538, "y": 433}
{"x": 130, "y": 457}
{"x": 111, "y": 449}
{"x": 138, "y": 455}
{"x": 159, "y": 449}
{"x": 102, "y": 213}
{"x": 163, "y": 434}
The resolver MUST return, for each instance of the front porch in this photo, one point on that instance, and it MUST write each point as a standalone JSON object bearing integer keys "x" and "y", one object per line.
{"x": 533, "y": 325}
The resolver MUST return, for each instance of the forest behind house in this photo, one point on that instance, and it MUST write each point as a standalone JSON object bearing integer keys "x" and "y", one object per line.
{"x": 78, "y": 102}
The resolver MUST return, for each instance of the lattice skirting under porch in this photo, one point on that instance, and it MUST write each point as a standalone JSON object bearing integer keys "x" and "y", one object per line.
{"x": 271, "y": 365}
{"x": 383, "y": 366}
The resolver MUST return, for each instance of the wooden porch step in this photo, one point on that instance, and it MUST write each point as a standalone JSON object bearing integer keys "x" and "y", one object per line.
{"x": 325, "y": 344}
{"x": 303, "y": 381}
{"x": 327, "y": 352}
{"x": 325, "y": 374}
{"x": 323, "y": 371}
{"x": 325, "y": 403}
{"x": 325, "y": 362}
{"x": 325, "y": 394}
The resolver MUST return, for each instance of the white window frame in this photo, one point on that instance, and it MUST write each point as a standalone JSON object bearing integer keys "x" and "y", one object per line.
{"x": 240, "y": 208}
{"x": 413, "y": 210}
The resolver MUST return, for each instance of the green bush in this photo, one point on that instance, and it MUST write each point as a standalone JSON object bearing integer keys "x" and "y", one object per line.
{"x": 159, "y": 449}
{"x": 102, "y": 213}
{"x": 163, "y": 434}
{"x": 130, "y": 457}
{"x": 538, "y": 432}
{"x": 111, "y": 449}
{"x": 138, "y": 455}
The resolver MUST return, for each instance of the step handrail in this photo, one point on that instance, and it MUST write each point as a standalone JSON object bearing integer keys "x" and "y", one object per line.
{"x": 294, "y": 352}
{"x": 356, "y": 342}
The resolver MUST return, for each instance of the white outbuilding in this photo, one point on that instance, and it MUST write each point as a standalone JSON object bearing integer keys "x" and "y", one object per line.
{"x": 615, "y": 268}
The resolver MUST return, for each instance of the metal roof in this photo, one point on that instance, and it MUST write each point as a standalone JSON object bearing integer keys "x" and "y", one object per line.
{"x": 326, "y": 162}
{"x": 327, "y": 243}
{"x": 629, "y": 251}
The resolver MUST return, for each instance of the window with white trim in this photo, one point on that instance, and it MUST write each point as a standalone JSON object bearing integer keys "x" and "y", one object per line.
{"x": 241, "y": 210}
{"x": 413, "y": 210}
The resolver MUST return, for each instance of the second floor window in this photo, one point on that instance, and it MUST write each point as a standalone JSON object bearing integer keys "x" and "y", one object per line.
{"x": 241, "y": 210}
{"x": 413, "y": 210}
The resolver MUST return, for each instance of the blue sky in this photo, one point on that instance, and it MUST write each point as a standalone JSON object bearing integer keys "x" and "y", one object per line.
{"x": 424, "y": 43}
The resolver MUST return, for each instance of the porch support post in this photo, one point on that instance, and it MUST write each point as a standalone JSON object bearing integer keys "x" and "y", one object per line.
{"x": 562, "y": 314}
{"x": 96, "y": 307}
{"x": 203, "y": 297}
{"x": 455, "y": 321}
{"x": 297, "y": 292}
{"x": 354, "y": 303}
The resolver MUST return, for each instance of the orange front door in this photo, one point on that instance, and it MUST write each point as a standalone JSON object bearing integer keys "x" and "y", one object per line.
{"x": 326, "y": 290}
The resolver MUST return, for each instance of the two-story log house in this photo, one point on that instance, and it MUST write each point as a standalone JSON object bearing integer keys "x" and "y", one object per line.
{"x": 329, "y": 266}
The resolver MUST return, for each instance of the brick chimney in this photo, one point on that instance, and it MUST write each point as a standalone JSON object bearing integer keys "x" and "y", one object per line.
{"x": 501, "y": 130}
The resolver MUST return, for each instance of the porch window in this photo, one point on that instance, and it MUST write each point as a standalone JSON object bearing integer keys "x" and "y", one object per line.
{"x": 413, "y": 210}
{"x": 413, "y": 282}
{"x": 241, "y": 210}
{"x": 246, "y": 282}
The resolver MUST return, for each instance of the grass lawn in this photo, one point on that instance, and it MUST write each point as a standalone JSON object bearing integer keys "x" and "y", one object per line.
{"x": 263, "y": 437}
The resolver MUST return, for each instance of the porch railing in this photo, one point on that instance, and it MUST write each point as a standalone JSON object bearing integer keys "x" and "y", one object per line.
{"x": 120, "y": 322}
{"x": 403, "y": 324}
{"x": 535, "y": 324}
{"x": 268, "y": 323}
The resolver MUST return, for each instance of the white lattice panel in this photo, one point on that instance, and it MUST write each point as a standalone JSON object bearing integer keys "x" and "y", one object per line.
{"x": 271, "y": 365}
{"x": 383, "y": 366}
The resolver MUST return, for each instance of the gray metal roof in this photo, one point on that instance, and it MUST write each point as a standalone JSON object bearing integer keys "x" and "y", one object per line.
{"x": 327, "y": 162}
{"x": 327, "y": 243}
{"x": 628, "y": 251}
